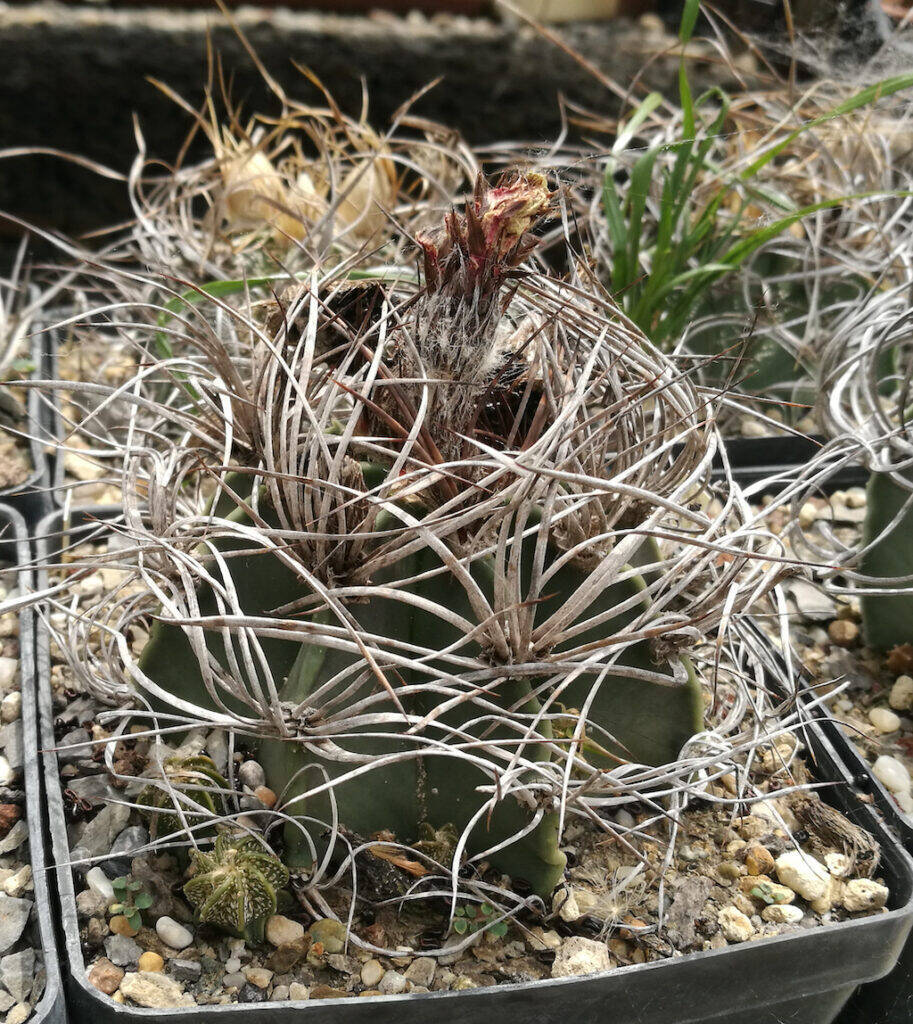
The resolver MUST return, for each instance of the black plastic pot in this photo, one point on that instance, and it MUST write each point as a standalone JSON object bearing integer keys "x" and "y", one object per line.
{"x": 14, "y": 549}
{"x": 50, "y": 343}
{"x": 33, "y": 497}
{"x": 757, "y": 458}
{"x": 804, "y": 977}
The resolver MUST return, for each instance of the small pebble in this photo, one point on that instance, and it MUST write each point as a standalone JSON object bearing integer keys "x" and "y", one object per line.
{"x": 327, "y": 992}
{"x": 152, "y": 962}
{"x": 298, "y": 992}
{"x": 735, "y": 925}
{"x": 905, "y": 801}
{"x": 122, "y": 951}
{"x": 625, "y": 818}
{"x": 838, "y": 864}
{"x": 232, "y": 965}
{"x": 251, "y": 775}
{"x": 173, "y": 934}
{"x": 99, "y": 883}
{"x": 119, "y": 925}
{"x": 19, "y": 1014}
{"x": 329, "y": 933}
{"x": 577, "y": 956}
{"x": 392, "y": 983}
{"x": 371, "y": 973}
{"x": 266, "y": 796}
{"x": 892, "y": 774}
{"x": 251, "y": 994}
{"x": 782, "y": 913}
{"x": 259, "y": 976}
{"x": 19, "y": 881}
{"x": 279, "y": 994}
{"x": 11, "y": 707}
{"x": 807, "y": 515}
{"x": 421, "y": 971}
{"x": 901, "y": 698}
{"x": 803, "y": 874}
{"x": 105, "y": 976}
{"x": 8, "y": 669}
{"x": 864, "y": 894}
{"x": 281, "y": 930}
{"x": 185, "y": 970}
{"x": 234, "y": 980}
{"x": 884, "y": 720}
{"x": 759, "y": 861}
{"x": 566, "y": 906}
{"x": 843, "y": 632}
{"x": 856, "y": 497}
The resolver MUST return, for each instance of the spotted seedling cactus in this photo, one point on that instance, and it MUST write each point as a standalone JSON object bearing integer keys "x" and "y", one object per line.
{"x": 234, "y": 885}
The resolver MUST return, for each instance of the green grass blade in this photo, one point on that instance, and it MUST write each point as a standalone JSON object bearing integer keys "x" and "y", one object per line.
{"x": 618, "y": 231}
{"x": 641, "y": 112}
{"x": 690, "y": 12}
{"x": 638, "y": 191}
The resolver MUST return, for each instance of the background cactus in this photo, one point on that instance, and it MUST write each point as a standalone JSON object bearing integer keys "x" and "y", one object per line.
{"x": 715, "y": 223}
{"x": 193, "y": 782}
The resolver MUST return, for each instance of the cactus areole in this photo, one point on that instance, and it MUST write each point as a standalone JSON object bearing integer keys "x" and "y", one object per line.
{"x": 442, "y": 715}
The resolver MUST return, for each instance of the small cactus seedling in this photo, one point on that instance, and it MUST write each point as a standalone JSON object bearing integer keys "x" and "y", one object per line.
{"x": 235, "y": 885}
{"x": 130, "y": 900}
{"x": 192, "y": 782}
{"x": 469, "y": 919}
{"x": 888, "y": 528}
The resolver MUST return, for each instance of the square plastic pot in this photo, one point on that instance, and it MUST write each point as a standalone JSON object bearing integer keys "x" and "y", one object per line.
{"x": 806, "y": 976}
{"x": 14, "y": 549}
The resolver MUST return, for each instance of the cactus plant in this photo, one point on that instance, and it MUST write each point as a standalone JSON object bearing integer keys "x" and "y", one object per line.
{"x": 642, "y": 706}
{"x": 235, "y": 885}
{"x": 193, "y": 782}
{"x": 447, "y": 587}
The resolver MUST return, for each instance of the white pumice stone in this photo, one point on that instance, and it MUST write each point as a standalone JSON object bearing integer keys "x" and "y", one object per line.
{"x": 99, "y": 883}
{"x": 172, "y": 933}
{"x": 884, "y": 720}
{"x": 803, "y": 874}
{"x": 892, "y": 773}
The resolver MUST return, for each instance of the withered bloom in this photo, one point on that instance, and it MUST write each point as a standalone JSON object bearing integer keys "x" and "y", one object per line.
{"x": 466, "y": 266}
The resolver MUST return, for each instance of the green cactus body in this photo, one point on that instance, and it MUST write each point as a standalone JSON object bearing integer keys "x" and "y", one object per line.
{"x": 195, "y": 778}
{"x": 235, "y": 885}
{"x": 646, "y": 721}
{"x": 436, "y": 789}
{"x": 887, "y": 619}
